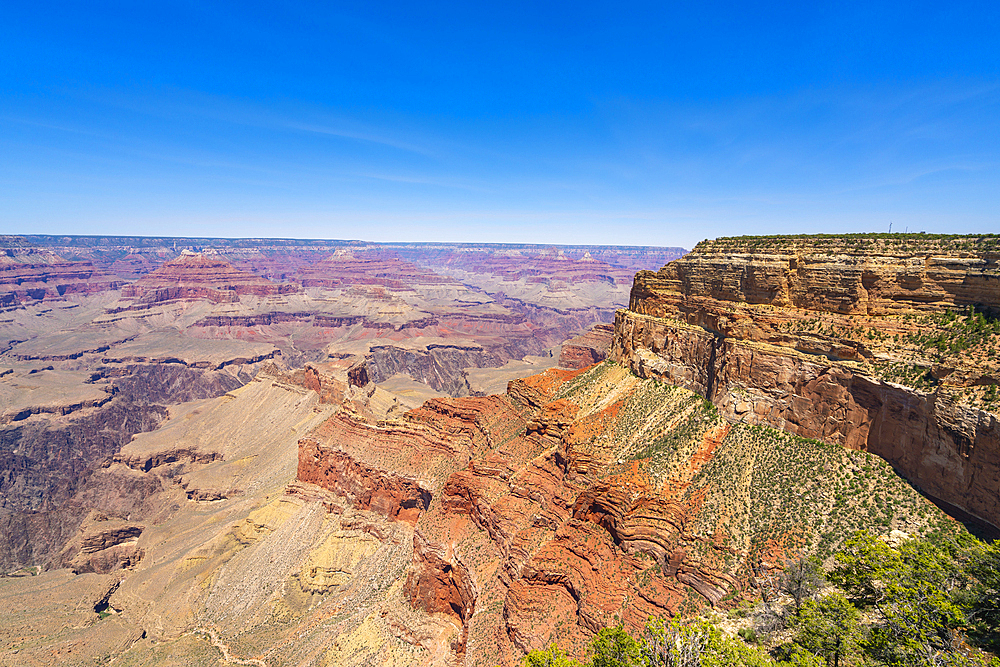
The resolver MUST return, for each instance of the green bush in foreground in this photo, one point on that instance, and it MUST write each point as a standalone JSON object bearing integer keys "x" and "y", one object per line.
{"x": 932, "y": 602}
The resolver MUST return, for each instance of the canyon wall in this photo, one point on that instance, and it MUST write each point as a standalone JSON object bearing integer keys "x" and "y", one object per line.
{"x": 29, "y": 275}
{"x": 45, "y": 463}
{"x": 586, "y": 498}
{"x": 194, "y": 276}
{"x": 798, "y": 333}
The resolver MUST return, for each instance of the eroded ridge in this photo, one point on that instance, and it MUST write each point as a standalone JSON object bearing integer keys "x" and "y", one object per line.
{"x": 583, "y": 498}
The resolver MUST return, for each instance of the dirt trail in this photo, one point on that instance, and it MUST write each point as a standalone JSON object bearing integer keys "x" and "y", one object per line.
{"x": 224, "y": 649}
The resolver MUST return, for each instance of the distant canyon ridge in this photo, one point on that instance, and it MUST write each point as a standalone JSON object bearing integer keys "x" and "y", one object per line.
{"x": 101, "y": 335}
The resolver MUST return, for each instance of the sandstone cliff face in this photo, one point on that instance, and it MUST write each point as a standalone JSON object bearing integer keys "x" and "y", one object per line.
{"x": 848, "y": 275}
{"x": 770, "y": 331}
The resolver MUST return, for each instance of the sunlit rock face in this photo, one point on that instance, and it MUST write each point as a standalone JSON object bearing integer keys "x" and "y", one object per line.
{"x": 810, "y": 335}
{"x": 580, "y": 499}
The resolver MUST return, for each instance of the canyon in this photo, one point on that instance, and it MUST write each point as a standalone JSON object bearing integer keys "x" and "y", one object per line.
{"x": 431, "y": 454}
{"x": 102, "y": 335}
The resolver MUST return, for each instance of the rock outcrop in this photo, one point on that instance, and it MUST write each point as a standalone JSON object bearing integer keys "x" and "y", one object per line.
{"x": 858, "y": 275}
{"x": 801, "y": 334}
{"x": 587, "y": 348}
{"x": 197, "y": 276}
{"x": 29, "y": 275}
{"x": 580, "y": 499}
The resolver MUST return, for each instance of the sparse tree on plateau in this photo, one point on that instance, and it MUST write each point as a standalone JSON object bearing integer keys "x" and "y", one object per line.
{"x": 911, "y": 590}
{"x": 802, "y": 579}
{"x": 984, "y": 598}
{"x": 829, "y": 627}
{"x": 671, "y": 645}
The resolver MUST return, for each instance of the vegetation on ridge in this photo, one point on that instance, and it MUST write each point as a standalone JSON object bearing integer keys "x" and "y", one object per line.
{"x": 761, "y": 492}
{"x": 891, "y": 242}
{"x": 933, "y": 602}
{"x": 906, "y": 347}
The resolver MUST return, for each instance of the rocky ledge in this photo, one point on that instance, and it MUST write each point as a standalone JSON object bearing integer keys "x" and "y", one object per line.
{"x": 878, "y": 343}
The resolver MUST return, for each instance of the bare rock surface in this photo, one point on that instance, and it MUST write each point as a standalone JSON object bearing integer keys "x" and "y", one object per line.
{"x": 587, "y": 348}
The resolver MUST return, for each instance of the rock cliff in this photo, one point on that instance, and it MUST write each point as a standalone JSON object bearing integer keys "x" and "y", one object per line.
{"x": 196, "y": 276}
{"x": 29, "y": 275}
{"x": 583, "y": 498}
{"x": 44, "y": 464}
{"x": 587, "y": 348}
{"x": 882, "y": 344}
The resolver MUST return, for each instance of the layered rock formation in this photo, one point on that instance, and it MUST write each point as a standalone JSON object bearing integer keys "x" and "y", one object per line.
{"x": 29, "y": 275}
{"x": 859, "y": 275}
{"x": 197, "y": 276}
{"x": 43, "y": 465}
{"x": 803, "y": 333}
{"x": 587, "y": 348}
{"x": 582, "y": 499}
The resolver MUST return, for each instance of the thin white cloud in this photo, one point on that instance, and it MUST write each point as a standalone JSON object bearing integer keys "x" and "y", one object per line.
{"x": 357, "y": 136}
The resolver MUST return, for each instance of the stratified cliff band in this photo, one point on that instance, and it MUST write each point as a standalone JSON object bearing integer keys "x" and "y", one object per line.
{"x": 826, "y": 336}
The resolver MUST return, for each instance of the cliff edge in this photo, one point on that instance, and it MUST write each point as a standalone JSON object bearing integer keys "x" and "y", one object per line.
{"x": 881, "y": 343}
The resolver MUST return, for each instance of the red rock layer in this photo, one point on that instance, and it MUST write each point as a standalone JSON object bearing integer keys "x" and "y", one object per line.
{"x": 694, "y": 324}
{"x": 28, "y": 281}
{"x": 519, "y": 534}
{"x": 588, "y": 348}
{"x": 192, "y": 276}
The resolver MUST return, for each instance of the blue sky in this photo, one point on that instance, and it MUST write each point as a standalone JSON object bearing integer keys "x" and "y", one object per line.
{"x": 628, "y": 123}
